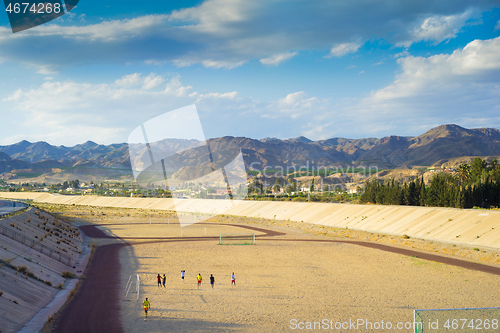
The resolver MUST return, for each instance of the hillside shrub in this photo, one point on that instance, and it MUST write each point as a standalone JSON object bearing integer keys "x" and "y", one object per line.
{"x": 67, "y": 275}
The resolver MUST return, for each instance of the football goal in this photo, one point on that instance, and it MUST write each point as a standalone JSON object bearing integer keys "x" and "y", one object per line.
{"x": 131, "y": 280}
{"x": 457, "y": 320}
{"x": 236, "y": 239}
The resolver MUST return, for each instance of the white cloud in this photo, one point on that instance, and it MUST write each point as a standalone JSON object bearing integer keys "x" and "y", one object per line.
{"x": 462, "y": 87}
{"x": 276, "y": 59}
{"x": 45, "y": 70}
{"x": 216, "y": 16}
{"x": 340, "y": 50}
{"x": 152, "y": 81}
{"x": 222, "y": 64}
{"x": 175, "y": 87}
{"x": 476, "y": 63}
{"x": 76, "y": 112}
{"x": 132, "y": 80}
{"x": 438, "y": 28}
{"x": 498, "y": 25}
{"x": 229, "y": 33}
{"x": 293, "y": 99}
{"x": 105, "y": 31}
{"x": 404, "y": 53}
{"x": 295, "y": 105}
{"x": 318, "y": 131}
{"x": 230, "y": 95}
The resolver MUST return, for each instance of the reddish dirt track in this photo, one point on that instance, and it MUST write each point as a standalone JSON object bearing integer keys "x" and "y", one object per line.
{"x": 94, "y": 308}
{"x": 92, "y": 231}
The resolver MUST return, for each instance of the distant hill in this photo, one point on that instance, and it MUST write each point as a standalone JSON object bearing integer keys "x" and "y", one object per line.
{"x": 57, "y": 156}
{"x": 449, "y": 141}
{"x": 6, "y": 166}
{"x": 4, "y": 157}
{"x": 438, "y": 144}
{"x": 455, "y": 162}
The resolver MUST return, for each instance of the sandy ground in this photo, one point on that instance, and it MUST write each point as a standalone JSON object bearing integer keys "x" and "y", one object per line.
{"x": 278, "y": 282}
{"x": 281, "y": 281}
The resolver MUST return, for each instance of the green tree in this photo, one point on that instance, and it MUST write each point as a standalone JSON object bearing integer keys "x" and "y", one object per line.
{"x": 277, "y": 185}
{"x": 477, "y": 168}
{"x": 422, "y": 193}
{"x": 464, "y": 173}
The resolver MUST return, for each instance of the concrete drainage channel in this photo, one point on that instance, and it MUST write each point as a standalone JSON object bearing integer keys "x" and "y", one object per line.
{"x": 9, "y": 207}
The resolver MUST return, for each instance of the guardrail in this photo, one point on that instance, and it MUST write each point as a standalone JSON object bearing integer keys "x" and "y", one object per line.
{"x": 35, "y": 245}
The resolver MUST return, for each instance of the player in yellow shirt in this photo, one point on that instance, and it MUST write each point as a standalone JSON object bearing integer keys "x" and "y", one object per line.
{"x": 199, "y": 277}
{"x": 146, "y": 307}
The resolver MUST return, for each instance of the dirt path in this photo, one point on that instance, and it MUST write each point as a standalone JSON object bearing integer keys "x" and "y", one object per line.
{"x": 95, "y": 306}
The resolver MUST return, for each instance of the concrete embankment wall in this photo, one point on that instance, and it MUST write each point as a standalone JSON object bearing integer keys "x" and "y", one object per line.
{"x": 35, "y": 249}
{"x": 472, "y": 227}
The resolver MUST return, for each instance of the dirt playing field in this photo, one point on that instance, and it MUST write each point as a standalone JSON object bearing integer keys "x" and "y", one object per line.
{"x": 292, "y": 277}
{"x": 278, "y": 282}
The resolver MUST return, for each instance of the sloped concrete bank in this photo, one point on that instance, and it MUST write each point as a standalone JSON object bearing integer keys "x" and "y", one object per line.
{"x": 39, "y": 254}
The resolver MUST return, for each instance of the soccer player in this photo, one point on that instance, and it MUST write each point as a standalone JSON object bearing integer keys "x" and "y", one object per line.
{"x": 164, "y": 280}
{"x": 212, "y": 280}
{"x": 233, "y": 280}
{"x": 158, "y": 278}
{"x": 146, "y": 307}
{"x": 182, "y": 275}
{"x": 199, "y": 277}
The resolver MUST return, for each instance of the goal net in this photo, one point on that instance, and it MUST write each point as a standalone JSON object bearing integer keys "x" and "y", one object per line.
{"x": 133, "y": 281}
{"x": 236, "y": 239}
{"x": 457, "y": 320}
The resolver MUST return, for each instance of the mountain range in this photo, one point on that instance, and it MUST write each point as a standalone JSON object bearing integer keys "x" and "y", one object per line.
{"x": 442, "y": 142}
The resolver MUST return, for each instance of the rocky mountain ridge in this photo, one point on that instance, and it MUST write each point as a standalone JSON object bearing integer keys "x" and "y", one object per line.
{"x": 442, "y": 142}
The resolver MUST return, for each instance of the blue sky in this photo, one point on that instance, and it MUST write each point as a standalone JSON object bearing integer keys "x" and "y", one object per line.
{"x": 258, "y": 69}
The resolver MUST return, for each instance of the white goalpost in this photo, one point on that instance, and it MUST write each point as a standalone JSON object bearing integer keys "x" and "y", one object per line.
{"x": 236, "y": 239}
{"x": 130, "y": 282}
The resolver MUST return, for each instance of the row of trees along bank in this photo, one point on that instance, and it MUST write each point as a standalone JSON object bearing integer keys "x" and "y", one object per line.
{"x": 472, "y": 185}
